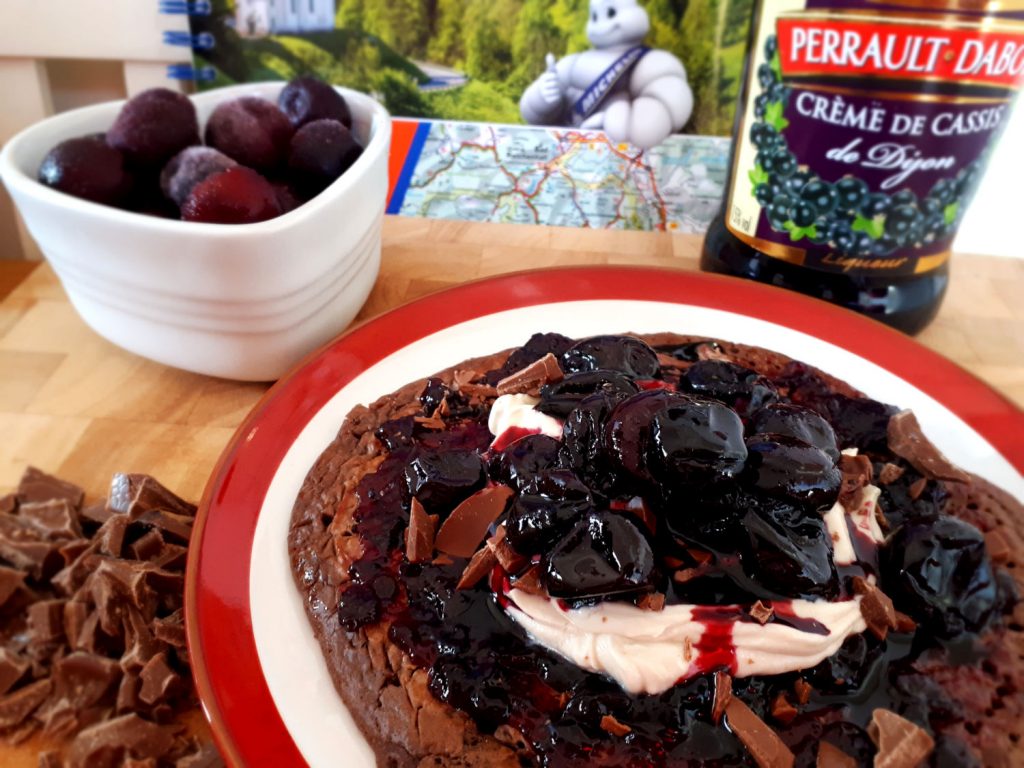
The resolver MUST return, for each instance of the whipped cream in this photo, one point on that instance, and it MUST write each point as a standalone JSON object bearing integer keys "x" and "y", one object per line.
{"x": 650, "y": 651}
{"x": 517, "y": 412}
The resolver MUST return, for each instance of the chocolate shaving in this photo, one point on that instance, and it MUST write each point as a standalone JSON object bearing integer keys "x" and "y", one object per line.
{"x": 875, "y": 607}
{"x": 506, "y": 556}
{"x": 901, "y": 743}
{"x": 889, "y": 473}
{"x": 612, "y": 726}
{"x": 668, "y": 361}
{"x": 530, "y": 379}
{"x": 462, "y": 532}
{"x": 904, "y": 623}
{"x": 36, "y": 485}
{"x": 783, "y": 709}
{"x": 11, "y": 580}
{"x": 419, "y": 537}
{"x": 429, "y": 422}
{"x": 764, "y": 745}
{"x": 479, "y": 566}
{"x": 723, "y": 695}
{"x": 712, "y": 351}
{"x": 125, "y": 736}
{"x": 12, "y": 668}
{"x": 830, "y": 756}
{"x": 761, "y": 612}
{"x": 56, "y": 518}
{"x": 529, "y": 581}
{"x": 917, "y": 488}
{"x": 802, "y": 689}
{"x": 652, "y": 601}
{"x": 857, "y": 473}
{"x": 907, "y": 441}
{"x": 16, "y": 706}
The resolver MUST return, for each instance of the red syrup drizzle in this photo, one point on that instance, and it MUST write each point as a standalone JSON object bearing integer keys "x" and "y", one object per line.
{"x": 646, "y": 384}
{"x": 509, "y": 436}
{"x": 715, "y": 648}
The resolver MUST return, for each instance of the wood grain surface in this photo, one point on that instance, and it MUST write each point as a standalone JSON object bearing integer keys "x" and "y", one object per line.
{"x": 73, "y": 404}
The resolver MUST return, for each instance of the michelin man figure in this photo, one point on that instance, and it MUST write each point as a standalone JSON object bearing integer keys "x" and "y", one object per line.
{"x": 632, "y": 92}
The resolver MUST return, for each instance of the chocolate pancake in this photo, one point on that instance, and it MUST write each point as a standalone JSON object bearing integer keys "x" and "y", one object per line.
{"x": 408, "y": 537}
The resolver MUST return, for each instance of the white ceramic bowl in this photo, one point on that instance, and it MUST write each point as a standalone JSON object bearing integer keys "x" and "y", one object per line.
{"x": 241, "y": 301}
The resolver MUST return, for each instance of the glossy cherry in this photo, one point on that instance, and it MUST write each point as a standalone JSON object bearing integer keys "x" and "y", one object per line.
{"x": 795, "y": 421}
{"x": 548, "y": 504}
{"x": 307, "y": 98}
{"x": 625, "y": 354}
{"x": 791, "y": 470}
{"x": 560, "y": 398}
{"x": 87, "y": 168}
{"x": 740, "y": 388}
{"x": 237, "y": 195}
{"x": 440, "y": 480}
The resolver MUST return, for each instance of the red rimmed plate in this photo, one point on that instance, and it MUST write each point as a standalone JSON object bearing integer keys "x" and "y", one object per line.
{"x": 259, "y": 671}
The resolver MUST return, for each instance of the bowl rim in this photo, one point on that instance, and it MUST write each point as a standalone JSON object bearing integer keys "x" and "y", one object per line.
{"x": 16, "y": 178}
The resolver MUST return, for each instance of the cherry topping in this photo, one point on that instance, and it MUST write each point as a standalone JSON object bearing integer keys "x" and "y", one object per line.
{"x": 938, "y": 571}
{"x": 548, "y": 505}
{"x": 604, "y": 554}
{"x": 238, "y": 195}
{"x": 625, "y": 354}
{"x": 154, "y": 126}
{"x": 440, "y": 480}
{"x": 560, "y": 398}
{"x": 252, "y": 131}
{"x": 524, "y": 458}
{"x": 740, "y": 388}
{"x": 792, "y": 471}
{"x": 534, "y": 349}
{"x": 795, "y": 421}
{"x": 308, "y": 98}
{"x": 87, "y": 168}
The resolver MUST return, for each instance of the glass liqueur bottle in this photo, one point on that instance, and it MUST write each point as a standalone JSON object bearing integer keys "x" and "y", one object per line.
{"x": 862, "y": 130}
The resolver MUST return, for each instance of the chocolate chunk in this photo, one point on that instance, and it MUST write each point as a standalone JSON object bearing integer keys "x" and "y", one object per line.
{"x": 904, "y": 623}
{"x": 901, "y": 743}
{"x": 206, "y": 756}
{"x": 147, "y": 546}
{"x": 83, "y": 679}
{"x": 22, "y": 545}
{"x": 50, "y": 760}
{"x": 761, "y": 612}
{"x": 762, "y": 742}
{"x": 8, "y": 504}
{"x": 530, "y": 379}
{"x": 833, "y": 757}
{"x": 857, "y": 473}
{"x": 135, "y": 494}
{"x": 22, "y": 733}
{"x": 429, "y": 422}
{"x": 15, "y": 707}
{"x": 529, "y": 581}
{"x": 802, "y": 689}
{"x": 117, "y": 739}
{"x": 72, "y": 577}
{"x": 130, "y": 762}
{"x": 46, "y": 621}
{"x": 139, "y": 643}
{"x": 75, "y": 614}
{"x": 723, "y": 695}
{"x": 507, "y": 557}
{"x": 12, "y": 669}
{"x": 875, "y": 607}
{"x": 890, "y": 473}
{"x": 171, "y": 630}
{"x": 172, "y": 525}
{"x": 783, "y": 709}
{"x": 96, "y": 513}
{"x": 917, "y": 488}
{"x": 466, "y": 526}
{"x": 110, "y": 536}
{"x": 907, "y": 441}
{"x": 11, "y": 580}
{"x": 652, "y": 601}
{"x": 36, "y": 485}
{"x": 127, "y": 693}
{"x": 608, "y": 723}
{"x": 668, "y": 361}
{"x": 159, "y": 681}
{"x": 73, "y": 549}
{"x": 89, "y": 636}
{"x": 55, "y": 518}
{"x": 478, "y": 567}
{"x": 171, "y": 558}
{"x": 419, "y": 538}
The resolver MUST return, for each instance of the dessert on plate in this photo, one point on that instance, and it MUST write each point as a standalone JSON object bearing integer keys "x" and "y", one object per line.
{"x": 659, "y": 550}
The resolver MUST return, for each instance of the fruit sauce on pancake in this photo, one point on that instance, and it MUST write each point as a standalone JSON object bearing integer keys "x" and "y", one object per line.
{"x": 681, "y": 484}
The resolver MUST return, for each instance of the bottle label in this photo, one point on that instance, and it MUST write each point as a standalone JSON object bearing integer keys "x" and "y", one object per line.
{"x": 866, "y": 128}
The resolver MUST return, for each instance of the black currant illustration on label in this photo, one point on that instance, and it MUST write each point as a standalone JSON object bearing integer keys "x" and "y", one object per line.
{"x": 844, "y": 215}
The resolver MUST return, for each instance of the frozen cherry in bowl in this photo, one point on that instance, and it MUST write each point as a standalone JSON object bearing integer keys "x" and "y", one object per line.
{"x": 252, "y": 131}
{"x": 153, "y": 127}
{"x": 306, "y": 99}
{"x": 320, "y": 152}
{"x": 189, "y": 167}
{"x": 87, "y": 168}
{"x": 238, "y": 195}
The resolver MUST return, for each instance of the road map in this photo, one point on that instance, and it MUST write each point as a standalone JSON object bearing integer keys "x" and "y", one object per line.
{"x": 558, "y": 176}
